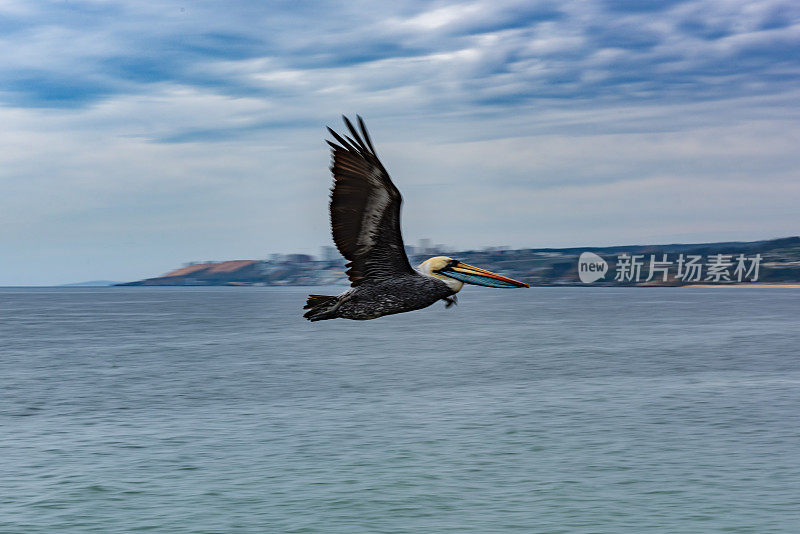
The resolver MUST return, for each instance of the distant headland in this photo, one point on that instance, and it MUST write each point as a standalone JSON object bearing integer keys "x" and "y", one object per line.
{"x": 775, "y": 261}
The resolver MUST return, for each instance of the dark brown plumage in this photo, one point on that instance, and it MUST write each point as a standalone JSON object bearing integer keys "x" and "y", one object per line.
{"x": 365, "y": 209}
{"x": 365, "y": 221}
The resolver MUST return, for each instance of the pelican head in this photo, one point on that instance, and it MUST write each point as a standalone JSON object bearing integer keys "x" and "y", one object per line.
{"x": 455, "y": 274}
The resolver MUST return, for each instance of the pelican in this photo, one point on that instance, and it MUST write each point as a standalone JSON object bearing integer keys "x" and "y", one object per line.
{"x": 365, "y": 221}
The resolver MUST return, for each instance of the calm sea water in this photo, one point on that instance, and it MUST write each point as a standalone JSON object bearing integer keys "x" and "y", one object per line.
{"x": 574, "y": 410}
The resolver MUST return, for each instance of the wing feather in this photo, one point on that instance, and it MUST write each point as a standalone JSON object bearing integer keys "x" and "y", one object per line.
{"x": 365, "y": 209}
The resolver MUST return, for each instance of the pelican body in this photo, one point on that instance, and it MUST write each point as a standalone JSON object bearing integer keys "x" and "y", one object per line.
{"x": 365, "y": 221}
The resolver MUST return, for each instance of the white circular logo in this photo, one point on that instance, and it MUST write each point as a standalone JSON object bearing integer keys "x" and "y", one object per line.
{"x": 591, "y": 267}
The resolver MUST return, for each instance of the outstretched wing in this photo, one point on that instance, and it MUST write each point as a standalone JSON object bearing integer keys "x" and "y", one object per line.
{"x": 365, "y": 209}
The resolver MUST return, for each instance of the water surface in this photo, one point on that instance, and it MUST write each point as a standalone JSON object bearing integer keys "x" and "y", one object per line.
{"x": 574, "y": 410}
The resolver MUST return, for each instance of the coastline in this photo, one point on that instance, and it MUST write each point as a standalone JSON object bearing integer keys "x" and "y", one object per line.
{"x": 749, "y": 284}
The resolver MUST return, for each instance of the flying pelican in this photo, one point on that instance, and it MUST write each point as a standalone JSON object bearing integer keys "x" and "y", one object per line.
{"x": 365, "y": 220}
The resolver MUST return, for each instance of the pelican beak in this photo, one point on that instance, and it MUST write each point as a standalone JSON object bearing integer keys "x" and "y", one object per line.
{"x": 480, "y": 277}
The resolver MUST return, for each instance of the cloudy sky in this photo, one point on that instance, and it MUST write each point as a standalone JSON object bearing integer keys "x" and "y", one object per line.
{"x": 137, "y": 136}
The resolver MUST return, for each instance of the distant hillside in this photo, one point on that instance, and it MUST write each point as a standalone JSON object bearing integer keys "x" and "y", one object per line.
{"x": 769, "y": 261}
{"x": 213, "y": 273}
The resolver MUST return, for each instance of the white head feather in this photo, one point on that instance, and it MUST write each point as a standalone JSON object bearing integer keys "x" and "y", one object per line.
{"x": 431, "y": 265}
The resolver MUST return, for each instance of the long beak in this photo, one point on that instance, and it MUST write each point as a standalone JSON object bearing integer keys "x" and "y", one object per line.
{"x": 480, "y": 277}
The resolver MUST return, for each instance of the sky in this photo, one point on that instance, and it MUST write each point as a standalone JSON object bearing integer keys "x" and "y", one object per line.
{"x": 138, "y": 136}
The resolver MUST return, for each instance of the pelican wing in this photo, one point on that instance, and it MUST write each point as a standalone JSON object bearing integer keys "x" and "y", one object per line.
{"x": 365, "y": 210}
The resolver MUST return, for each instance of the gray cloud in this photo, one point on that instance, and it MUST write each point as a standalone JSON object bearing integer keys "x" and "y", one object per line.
{"x": 138, "y": 135}
{"x": 506, "y": 54}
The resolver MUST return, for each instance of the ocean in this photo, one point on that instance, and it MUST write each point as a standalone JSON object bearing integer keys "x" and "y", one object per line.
{"x": 547, "y": 410}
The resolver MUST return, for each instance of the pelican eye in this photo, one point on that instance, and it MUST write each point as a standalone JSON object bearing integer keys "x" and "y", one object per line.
{"x": 447, "y": 266}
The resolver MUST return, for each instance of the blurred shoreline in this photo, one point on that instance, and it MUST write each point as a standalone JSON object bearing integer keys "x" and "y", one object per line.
{"x": 775, "y": 261}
